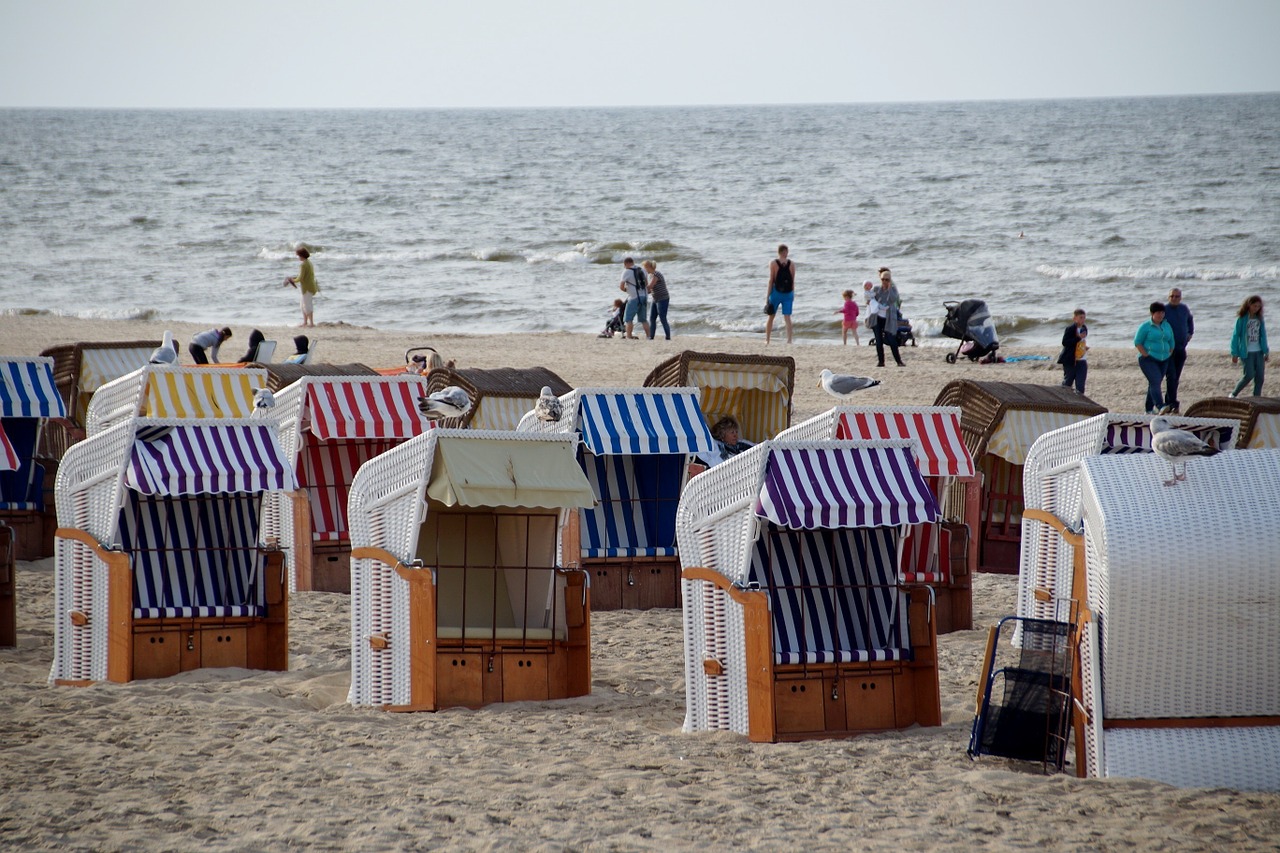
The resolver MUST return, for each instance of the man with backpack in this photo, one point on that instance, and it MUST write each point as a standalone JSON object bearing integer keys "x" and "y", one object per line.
{"x": 781, "y": 292}
{"x": 637, "y": 290}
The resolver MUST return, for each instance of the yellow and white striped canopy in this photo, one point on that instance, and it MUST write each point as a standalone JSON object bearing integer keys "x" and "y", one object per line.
{"x": 201, "y": 394}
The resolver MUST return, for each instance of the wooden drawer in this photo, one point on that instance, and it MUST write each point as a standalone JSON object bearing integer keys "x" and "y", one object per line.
{"x": 524, "y": 677}
{"x": 221, "y": 646}
{"x": 157, "y": 654}
{"x": 459, "y": 679}
{"x": 869, "y": 702}
{"x": 799, "y": 705}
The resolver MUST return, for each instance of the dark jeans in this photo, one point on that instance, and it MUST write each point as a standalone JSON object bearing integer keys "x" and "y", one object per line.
{"x": 659, "y": 312}
{"x": 1155, "y": 372}
{"x": 882, "y": 338}
{"x": 1075, "y": 374}
{"x": 1176, "y": 360}
{"x": 197, "y": 353}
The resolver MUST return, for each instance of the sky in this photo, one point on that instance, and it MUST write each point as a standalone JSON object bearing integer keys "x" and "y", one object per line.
{"x": 537, "y": 53}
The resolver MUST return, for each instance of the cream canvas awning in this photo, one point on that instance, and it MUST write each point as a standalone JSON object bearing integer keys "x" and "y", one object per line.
{"x": 1021, "y": 427}
{"x": 496, "y": 472}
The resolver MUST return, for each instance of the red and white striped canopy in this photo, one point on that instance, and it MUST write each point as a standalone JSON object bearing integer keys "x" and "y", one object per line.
{"x": 811, "y": 488}
{"x": 365, "y": 409}
{"x": 9, "y": 460}
{"x": 943, "y": 453}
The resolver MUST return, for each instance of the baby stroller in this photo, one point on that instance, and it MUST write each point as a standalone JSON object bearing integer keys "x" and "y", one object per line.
{"x": 905, "y": 335}
{"x": 970, "y": 323}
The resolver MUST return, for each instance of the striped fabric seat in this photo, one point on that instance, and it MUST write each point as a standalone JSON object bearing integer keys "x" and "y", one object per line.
{"x": 636, "y": 512}
{"x": 924, "y": 555}
{"x": 325, "y": 470}
{"x": 1135, "y": 437}
{"x": 188, "y": 556}
{"x": 21, "y": 483}
{"x": 833, "y": 594}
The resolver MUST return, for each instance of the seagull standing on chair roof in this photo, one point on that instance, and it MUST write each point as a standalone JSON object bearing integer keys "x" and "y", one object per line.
{"x": 548, "y": 408}
{"x": 167, "y": 352}
{"x": 451, "y": 402}
{"x": 1176, "y": 445}
{"x": 843, "y": 386}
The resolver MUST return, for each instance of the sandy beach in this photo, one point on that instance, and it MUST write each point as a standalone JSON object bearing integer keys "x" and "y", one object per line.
{"x": 232, "y": 759}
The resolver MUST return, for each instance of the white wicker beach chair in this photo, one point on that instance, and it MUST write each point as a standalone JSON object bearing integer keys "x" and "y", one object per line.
{"x": 1180, "y": 640}
{"x": 329, "y": 427}
{"x": 157, "y": 391}
{"x": 458, "y": 592}
{"x": 939, "y": 553}
{"x": 795, "y": 623}
{"x": 635, "y": 448}
{"x": 1051, "y": 482}
{"x": 29, "y": 398}
{"x": 158, "y": 566}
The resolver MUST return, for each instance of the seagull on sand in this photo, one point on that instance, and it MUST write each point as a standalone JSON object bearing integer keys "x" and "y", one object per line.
{"x": 451, "y": 402}
{"x": 1176, "y": 445}
{"x": 843, "y": 386}
{"x": 263, "y": 401}
{"x": 548, "y": 407}
{"x": 166, "y": 353}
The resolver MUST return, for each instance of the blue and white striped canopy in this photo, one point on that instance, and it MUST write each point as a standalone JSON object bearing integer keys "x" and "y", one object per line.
{"x": 643, "y": 422}
{"x": 809, "y": 488}
{"x": 205, "y": 460}
{"x": 27, "y": 389}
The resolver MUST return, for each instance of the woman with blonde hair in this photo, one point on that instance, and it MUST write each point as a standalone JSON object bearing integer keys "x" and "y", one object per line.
{"x": 661, "y": 299}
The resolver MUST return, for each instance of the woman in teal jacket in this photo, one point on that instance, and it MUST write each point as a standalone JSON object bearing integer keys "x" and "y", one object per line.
{"x": 1154, "y": 342}
{"x": 1249, "y": 344}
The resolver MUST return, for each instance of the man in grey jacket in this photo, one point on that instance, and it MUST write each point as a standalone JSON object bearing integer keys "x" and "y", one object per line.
{"x": 1179, "y": 318}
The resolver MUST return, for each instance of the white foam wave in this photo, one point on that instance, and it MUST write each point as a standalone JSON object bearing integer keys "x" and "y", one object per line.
{"x": 1100, "y": 273}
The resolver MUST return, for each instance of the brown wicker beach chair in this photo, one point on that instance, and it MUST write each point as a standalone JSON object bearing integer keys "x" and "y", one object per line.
{"x": 999, "y": 422}
{"x": 1259, "y": 418}
{"x": 500, "y": 397}
{"x": 282, "y": 375}
{"x": 79, "y": 370}
{"x": 755, "y": 390}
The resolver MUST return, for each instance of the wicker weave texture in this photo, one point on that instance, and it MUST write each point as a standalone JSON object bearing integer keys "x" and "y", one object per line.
{"x": 1240, "y": 758}
{"x": 1246, "y": 410}
{"x": 501, "y": 382}
{"x": 1184, "y": 584}
{"x": 983, "y": 405}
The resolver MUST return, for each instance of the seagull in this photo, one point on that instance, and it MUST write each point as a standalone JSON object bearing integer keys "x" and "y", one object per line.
{"x": 1176, "y": 445}
{"x": 451, "y": 402}
{"x": 842, "y": 386}
{"x": 263, "y": 400}
{"x": 548, "y": 407}
{"x": 167, "y": 352}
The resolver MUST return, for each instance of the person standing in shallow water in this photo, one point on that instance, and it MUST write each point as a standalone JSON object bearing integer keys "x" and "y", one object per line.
{"x": 305, "y": 281}
{"x": 781, "y": 292}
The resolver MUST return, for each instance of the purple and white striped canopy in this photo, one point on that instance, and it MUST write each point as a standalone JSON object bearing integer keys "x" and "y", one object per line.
{"x": 206, "y": 460}
{"x": 811, "y": 488}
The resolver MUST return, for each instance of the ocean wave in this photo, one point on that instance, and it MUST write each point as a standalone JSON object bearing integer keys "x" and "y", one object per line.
{"x": 1112, "y": 274}
{"x": 87, "y": 314}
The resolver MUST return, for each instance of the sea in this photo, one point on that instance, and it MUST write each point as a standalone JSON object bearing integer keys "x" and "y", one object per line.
{"x": 425, "y": 222}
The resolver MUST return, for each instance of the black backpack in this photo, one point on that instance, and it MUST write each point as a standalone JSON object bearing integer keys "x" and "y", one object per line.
{"x": 640, "y": 280}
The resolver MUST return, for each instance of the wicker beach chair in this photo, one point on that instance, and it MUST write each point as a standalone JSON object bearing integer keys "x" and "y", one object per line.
{"x": 635, "y": 447}
{"x": 499, "y": 397}
{"x": 8, "y": 588}
{"x": 29, "y": 399}
{"x": 458, "y": 592}
{"x": 329, "y": 427}
{"x": 81, "y": 369}
{"x": 157, "y": 391}
{"x": 158, "y": 566}
{"x": 281, "y": 374}
{"x": 756, "y": 390}
{"x": 938, "y": 553}
{"x": 795, "y": 623}
{"x": 1179, "y": 642}
{"x": 1051, "y": 483}
{"x": 999, "y": 422}
{"x": 1259, "y": 418}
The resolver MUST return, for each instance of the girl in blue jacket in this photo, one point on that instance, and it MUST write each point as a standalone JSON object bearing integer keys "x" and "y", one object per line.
{"x": 1249, "y": 345}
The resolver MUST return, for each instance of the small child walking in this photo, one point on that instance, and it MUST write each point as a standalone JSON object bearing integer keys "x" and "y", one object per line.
{"x": 850, "y": 312}
{"x": 616, "y": 323}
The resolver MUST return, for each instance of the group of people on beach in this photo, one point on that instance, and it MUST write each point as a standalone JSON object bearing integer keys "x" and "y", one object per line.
{"x": 639, "y": 283}
{"x": 1161, "y": 342}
